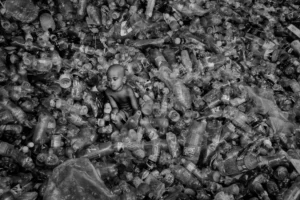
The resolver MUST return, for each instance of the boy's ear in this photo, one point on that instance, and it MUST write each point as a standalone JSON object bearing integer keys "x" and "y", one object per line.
{"x": 124, "y": 79}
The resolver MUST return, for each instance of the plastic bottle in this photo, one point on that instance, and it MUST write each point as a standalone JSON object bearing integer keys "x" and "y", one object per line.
{"x": 160, "y": 61}
{"x": 173, "y": 144}
{"x": 81, "y": 9}
{"x": 161, "y": 123}
{"x": 194, "y": 140}
{"x": 170, "y": 56}
{"x": 133, "y": 121}
{"x": 147, "y": 105}
{"x": 237, "y": 165}
{"x": 150, "y": 131}
{"x": 17, "y": 112}
{"x": 194, "y": 25}
{"x": 142, "y": 188}
{"x": 190, "y": 9}
{"x": 77, "y": 89}
{"x": 107, "y": 170}
{"x": 6, "y": 116}
{"x": 92, "y": 102}
{"x": 185, "y": 59}
{"x": 293, "y": 192}
{"x": 149, "y": 8}
{"x": 164, "y": 101}
{"x": 238, "y": 118}
{"x": 7, "y": 149}
{"x": 182, "y": 95}
{"x": 40, "y": 136}
{"x": 65, "y": 80}
{"x": 174, "y": 116}
{"x": 94, "y": 14}
{"x": 295, "y": 86}
{"x": 104, "y": 13}
{"x": 174, "y": 25}
{"x": 101, "y": 150}
{"x": 256, "y": 186}
{"x": 11, "y": 128}
{"x": 184, "y": 176}
{"x": 28, "y": 36}
{"x": 157, "y": 188}
{"x": 214, "y": 131}
{"x": 192, "y": 168}
{"x": 155, "y": 151}
{"x": 56, "y": 141}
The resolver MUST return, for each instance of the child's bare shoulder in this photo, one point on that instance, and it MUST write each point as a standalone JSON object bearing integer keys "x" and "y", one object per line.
{"x": 128, "y": 88}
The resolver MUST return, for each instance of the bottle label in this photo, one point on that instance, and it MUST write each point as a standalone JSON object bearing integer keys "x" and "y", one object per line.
{"x": 56, "y": 141}
{"x": 190, "y": 167}
{"x": 294, "y": 30}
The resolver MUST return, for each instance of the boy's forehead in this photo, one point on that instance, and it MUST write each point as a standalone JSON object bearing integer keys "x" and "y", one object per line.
{"x": 115, "y": 71}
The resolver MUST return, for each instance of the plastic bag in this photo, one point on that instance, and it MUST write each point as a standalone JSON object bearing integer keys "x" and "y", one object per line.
{"x": 77, "y": 179}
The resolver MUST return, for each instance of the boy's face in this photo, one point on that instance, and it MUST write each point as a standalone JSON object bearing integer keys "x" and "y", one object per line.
{"x": 115, "y": 79}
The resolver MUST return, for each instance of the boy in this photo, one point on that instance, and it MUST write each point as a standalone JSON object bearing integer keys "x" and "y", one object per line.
{"x": 120, "y": 95}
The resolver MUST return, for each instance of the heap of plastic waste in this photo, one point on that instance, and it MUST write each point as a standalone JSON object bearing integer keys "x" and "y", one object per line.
{"x": 214, "y": 86}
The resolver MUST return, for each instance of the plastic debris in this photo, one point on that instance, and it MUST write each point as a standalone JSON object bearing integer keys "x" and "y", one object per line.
{"x": 151, "y": 99}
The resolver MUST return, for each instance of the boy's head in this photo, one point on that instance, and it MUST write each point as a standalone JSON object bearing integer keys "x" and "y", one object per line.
{"x": 116, "y": 77}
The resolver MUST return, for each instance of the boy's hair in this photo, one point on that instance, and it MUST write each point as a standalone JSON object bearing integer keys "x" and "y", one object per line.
{"x": 116, "y": 66}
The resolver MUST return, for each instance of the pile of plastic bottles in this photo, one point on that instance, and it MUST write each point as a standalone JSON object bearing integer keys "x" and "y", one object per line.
{"x": 217, "y": 83}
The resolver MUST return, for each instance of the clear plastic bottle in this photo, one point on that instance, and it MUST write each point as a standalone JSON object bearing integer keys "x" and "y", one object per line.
{"x": 133, "y": 121}
{"x": 184, "y": 176}
{"x": 243, "y": 163}
{"x": 16, "y": 111}
{"x": 194, "y": 140}
{"x": 100, "y": 150}
{"x": 173, "y": 144}
{"x": 81, "y": 9}
{"x": 40, "y": 130}
{"x": 7, "y": 149}
{"x": 94, "y": 14}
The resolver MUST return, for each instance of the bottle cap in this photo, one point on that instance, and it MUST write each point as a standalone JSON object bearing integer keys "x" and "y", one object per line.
{"x": 25, "y": 149}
